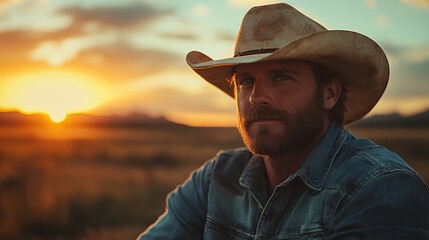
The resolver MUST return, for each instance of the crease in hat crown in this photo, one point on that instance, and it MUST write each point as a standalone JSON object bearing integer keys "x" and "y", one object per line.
{"x": 271, "y": 27}
{"x": 264, "y": 29}
{"x": 280, "y": 32}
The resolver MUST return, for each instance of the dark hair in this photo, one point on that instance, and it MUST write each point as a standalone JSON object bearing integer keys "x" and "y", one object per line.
{"x": 324, "y": 76}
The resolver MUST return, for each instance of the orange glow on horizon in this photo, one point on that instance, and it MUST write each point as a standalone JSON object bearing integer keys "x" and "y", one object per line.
{"x": 205, "y": 119}
{"x": 56, "y": 93}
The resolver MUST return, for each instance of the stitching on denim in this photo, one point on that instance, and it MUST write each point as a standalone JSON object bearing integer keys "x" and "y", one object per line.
{"x": 343, "y": 138}
{"x": 214, "y": 223}
{"x": 316, "y": 184}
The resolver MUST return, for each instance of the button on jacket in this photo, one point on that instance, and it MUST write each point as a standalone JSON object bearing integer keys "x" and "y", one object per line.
{"x": 348, "y": 188}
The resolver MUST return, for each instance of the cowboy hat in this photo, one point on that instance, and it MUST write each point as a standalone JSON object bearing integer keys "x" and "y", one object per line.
{"x": 280, "y": 32}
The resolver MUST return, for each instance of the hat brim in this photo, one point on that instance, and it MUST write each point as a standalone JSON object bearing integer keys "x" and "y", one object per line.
{"x": 356, "y": 60}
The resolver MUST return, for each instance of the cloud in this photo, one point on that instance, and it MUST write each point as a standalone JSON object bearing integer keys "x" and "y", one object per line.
{"x": 58, "y": 52}
{"x": 113, "y": 61}
{"x": 409, "y": 70}
{"x": 122, "y": 62}
{"x": 404, "y": 54}
{"x": 383, "y": 21}
{"x": 126, "y": 16}
{"x": 92, "y": 27}
{"x": 201, "y": 10}
{"x": 89, "y": 27}
{"x": 17, "y": 42}
{"x": 417, "y": 3}
{"x": 179, "y": 36}
{"x": 226, "y": 36}
{"x": 95, "y": 41}
{"x": 65, "y": 21}
{"x": 14, "y": 57}
{"x": 5, "y": 4}
{"x": 250, "y": 2}
{"x": 416, "y": 55}
{"x": 410, "y": 79}
{"x": 372, "y": 4}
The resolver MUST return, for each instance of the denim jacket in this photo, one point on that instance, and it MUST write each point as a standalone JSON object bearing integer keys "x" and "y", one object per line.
{"x": 347, "y": 188}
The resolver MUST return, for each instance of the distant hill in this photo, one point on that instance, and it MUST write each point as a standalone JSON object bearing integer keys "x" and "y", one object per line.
{"x": 143, "y": 120}
{"x": 16, "y": 118}
{"x": 395, "y": 120}
{"x": 129, "y": 121}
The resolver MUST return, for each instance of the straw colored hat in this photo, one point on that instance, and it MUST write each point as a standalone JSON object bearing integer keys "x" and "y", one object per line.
{"x": 280, "y": 32}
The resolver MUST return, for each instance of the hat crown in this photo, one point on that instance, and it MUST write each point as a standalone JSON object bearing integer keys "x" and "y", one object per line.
{"x": 270, "y": 27}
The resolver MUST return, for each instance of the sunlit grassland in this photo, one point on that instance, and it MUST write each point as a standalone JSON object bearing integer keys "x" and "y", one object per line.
{"x": 111, "y": 183}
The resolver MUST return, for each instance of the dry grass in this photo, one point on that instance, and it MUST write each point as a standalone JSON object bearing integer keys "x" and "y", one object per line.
{"x": 58, "y": 183}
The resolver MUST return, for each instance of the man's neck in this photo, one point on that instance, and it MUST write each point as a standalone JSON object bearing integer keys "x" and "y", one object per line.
{"x": 280, "y": 167}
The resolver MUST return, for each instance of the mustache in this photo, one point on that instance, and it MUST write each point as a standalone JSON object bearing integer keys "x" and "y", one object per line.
{"x": 262, "y": 112}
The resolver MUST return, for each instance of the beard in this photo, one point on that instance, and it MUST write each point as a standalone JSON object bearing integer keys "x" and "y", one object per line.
{"x": 296, "y": 129}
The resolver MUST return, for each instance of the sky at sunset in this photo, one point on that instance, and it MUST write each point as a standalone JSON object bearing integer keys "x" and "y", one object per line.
{"x": 128, "y": 56}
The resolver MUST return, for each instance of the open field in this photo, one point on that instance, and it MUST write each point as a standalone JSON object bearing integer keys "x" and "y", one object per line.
{"x": 99, "y": 183}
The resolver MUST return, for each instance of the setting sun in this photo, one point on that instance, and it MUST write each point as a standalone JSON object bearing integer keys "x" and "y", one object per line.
{"x": 56, "y": 93}
{"x": 57, "y": 116}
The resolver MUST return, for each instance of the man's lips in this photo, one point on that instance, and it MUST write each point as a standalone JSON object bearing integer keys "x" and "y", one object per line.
{"x": 264, "y": 121}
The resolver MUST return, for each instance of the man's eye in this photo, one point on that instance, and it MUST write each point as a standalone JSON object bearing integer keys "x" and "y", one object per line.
{"x": 282, "y": 77}
{"x": 245, "y": 82}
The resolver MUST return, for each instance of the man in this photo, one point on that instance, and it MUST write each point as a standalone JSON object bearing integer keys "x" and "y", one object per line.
{"x": 302, "y": 175}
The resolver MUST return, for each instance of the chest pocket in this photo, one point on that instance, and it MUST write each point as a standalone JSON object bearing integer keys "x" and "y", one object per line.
{"x": 215, "y": 229}
{"x": 312, "y": 231}
{"x": 218, "y": 230}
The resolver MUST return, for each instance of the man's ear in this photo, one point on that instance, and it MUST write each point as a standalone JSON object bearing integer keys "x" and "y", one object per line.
{"x": 331, "y": 93}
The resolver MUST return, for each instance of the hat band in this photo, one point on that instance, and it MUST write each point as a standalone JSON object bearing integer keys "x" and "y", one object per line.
{"x": 257, "y": 51}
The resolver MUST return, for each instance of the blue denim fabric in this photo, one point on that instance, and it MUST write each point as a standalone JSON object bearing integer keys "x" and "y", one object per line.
{"x": 348, "y": 188}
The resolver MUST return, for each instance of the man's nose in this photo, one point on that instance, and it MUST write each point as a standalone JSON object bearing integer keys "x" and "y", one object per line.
{"x": 260, "y": 94}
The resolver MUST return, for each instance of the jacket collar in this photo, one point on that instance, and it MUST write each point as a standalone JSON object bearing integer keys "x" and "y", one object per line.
{"x": 316, "y": 167}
